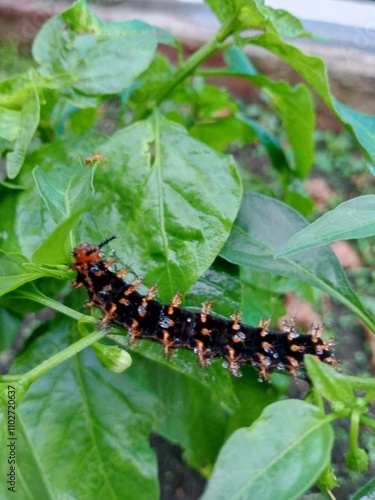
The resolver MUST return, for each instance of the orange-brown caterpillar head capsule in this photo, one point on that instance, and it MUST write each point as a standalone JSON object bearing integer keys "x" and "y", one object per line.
{"x": 86, "y": 253}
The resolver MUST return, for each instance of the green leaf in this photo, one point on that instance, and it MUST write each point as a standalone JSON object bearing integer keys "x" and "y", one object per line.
{"x": 313, "y": 70}
{"x": 254, "y": 14}
{"x": 65, "y": 190}
{"x": 111, "y": 62}
{"x": 257, "y": 15}
{"x": 15, "y": 270}
{"x": 295, "y": 107}
{"x": 153, "y": 394}
{"x": 68, "y": 440}
{"x": 238, "y": 62}
{"x": 285, "y": 23}
{"x": 80, "y": 18}
{"x": 23, "y": 124}
{"x": 86, "y": 55}
{"x": 262, "y": 227}
{"x": 57, "y": 247}
{"x": 10, "y": 324}
{"x": 221, "y": 284}
{"x": 280, "y": 456}
{"x": 261, "y": 298}
{"x": 352, "y": 219}
{"x": 171, "y": 201}
{"x": 158, "y": 72}
{"x": 215, "y": 121}
{"x": 225, "y": 9}
{"x": 9, "y": 123}
{"x": 194, "y": 404}
{"x": 328, "y": 382}
{"x": 26, "y": 218}
{"x": 361, "y": 125}
{"x": 221, "y": 132}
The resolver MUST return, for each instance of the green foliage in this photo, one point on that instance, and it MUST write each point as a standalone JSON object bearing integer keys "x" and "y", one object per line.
{"x": 256, "y": 458}
{"x": 177, "y": 204}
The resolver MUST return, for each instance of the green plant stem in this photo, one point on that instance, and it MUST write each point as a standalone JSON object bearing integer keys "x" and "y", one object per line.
{"x": 47, "y": 365}
{"x": 369, "y": 422}
{"x": 53, "y": 304}
{"x": 359, "y": 383}
{"x": 354, "y": 430}
{"x": 188, "y": 68}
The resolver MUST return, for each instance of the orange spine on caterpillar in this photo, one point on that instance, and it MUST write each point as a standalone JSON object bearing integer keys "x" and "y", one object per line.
{"x": 207, "y": 335}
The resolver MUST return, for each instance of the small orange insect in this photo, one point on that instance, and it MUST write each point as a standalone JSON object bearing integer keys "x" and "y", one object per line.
{"x": 95, "y": 157}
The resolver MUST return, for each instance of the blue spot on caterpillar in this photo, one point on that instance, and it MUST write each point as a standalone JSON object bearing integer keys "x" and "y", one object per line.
{"x": 173, "y": 326}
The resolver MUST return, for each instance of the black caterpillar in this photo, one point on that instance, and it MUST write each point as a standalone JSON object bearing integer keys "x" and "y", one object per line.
{"x": 206, "y": 335}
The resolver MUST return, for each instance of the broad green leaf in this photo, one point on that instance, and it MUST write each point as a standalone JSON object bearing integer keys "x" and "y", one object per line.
{"x": 285, "y": 23}
{"x": 9, "y": 327}
{"x": 328, "y": 382}
{"x": 9, "y": 123}
{"x": 26, "y": 218}
{"x": 213, "y": 102}
{"x": 90, "y": 56}
{"x": 295, "y": 107}
{"x": 257, "y": 15}
{"x": 280, "y": 456}
{"x": 22, "y": 128}
{"x": 204, "y": 404}
{"x": 237, "y": 61}
{"x": 254, "y": 14}
{"x": 216, "y": 123}
{"x": 171, "y": 201}
{"x": 15, "y": 270}
{"x": 195, "y": 403}
{"x": 362, "y": 126}
{"x": 313, "y": 70}
{"x": 175, "y": 397}
{"x": 253, "y": 396}
{"x": 68, "y": 440}
{"x": 81, "y": 19}
{"x": 57, "y": 247}
{"x": 65, "y": 190}
{"x": 261, "y": 297}
{"x": 158, "y": 72}
{"x": 352, "y": 219}
{"x": 14, "y": 90}
{"x": 221, "y": 284}
{"x": 262, "y": 227}
{"x": 226, "y": 9}
{"x": 219, "y": 133}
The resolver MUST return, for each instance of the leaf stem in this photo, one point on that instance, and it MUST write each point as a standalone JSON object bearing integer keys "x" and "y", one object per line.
{"x": 369, "y": 422}
{"x": 188, "y": 68}
{"x": 359, "y": 383}
{"x": 37, "y": 296}
{"x": 47, "y": 365}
